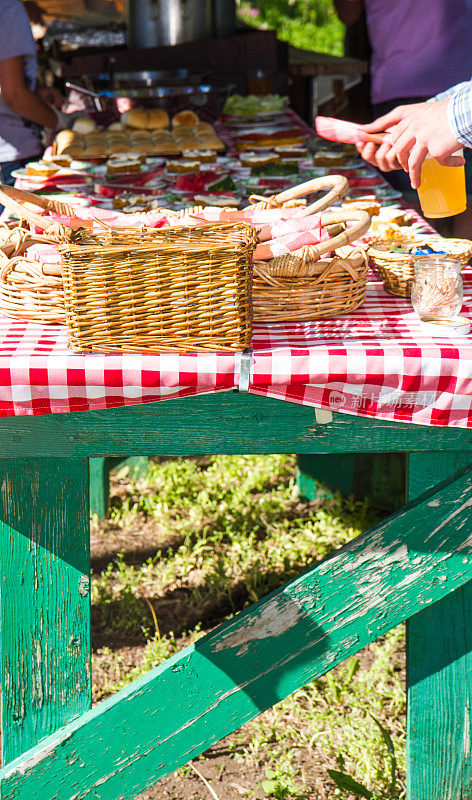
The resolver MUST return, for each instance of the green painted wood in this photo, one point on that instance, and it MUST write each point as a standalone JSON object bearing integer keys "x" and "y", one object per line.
{"x": 380, "y": 477}
{"x": 226, "y": 422}
{"x": 439, "y": 736}
{"x": 138, "y": 466}
{"x": 263, "y": 654}
{"x": 45, "y": 599}
{"x": 99, "y": 487}
{"x": 334, "y": 471}
{"x": 100, "y": 479}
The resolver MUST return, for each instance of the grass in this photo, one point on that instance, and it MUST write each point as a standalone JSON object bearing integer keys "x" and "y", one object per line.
{"x": 229, "y": 530}
{"x": 310, "y": 24}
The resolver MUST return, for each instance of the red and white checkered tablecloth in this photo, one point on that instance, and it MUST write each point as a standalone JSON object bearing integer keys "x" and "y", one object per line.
{"x": 375, "y": 362}
{"x": 39, "y": 375}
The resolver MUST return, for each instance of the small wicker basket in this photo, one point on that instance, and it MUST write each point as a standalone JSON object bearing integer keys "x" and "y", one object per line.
{"x": 30, "y": 290}
{"x": 397, "y": 270}
{"x": 301, "y": 286}
{"x": 171, "y": 289}
{"x": 35, "y": 209}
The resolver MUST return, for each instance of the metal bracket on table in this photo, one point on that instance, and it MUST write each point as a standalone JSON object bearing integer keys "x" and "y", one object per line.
{"x": 245, "y": 370}
{"x": 323, "y": 416}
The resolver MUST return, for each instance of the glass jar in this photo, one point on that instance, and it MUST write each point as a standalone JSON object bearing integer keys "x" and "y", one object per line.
{"x": 437, "y": 286}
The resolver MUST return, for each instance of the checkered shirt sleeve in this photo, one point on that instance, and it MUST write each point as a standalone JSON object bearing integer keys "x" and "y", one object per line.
{"x": 459, "y": 111}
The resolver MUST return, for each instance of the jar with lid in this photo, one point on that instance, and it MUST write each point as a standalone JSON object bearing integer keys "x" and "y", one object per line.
{"x": 437, "y": 287}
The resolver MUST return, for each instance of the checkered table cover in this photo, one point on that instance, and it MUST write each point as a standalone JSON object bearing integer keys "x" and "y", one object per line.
{"x": 374, "y": 362}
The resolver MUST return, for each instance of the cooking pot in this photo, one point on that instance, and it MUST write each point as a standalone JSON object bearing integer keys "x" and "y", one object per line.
{"x": 153, "y": 23}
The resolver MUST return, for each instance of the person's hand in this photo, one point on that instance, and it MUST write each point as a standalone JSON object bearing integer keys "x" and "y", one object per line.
{"x": 381, "y": 156}
{"x": 417, "y": 130}
{"x": 51, "y": 96}
{"x": 35, "y": 12}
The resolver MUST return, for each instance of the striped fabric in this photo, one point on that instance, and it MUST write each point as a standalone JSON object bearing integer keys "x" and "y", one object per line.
{"x": 459, "y": 114}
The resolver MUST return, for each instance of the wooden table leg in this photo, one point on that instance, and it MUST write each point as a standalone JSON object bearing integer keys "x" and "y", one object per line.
{"x": 100, "y": 479}
{"x": 439, "y": 683}
{"x": 378, "y": 476}
{"x": 45, "y": 598}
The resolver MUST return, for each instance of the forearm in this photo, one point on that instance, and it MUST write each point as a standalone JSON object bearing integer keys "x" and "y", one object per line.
{"x": 349, "y": 11}
{"x": 29, "y": 106}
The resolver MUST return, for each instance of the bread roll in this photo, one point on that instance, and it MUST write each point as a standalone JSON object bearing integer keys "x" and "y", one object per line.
{"x": 165, "y": 147}
{"x": 180, "y": 130}
{"x": 157, "y": 118}
{"x": 210, "y": 143}
{"x": 204, "y": 127}
{"x": 119, "y": 147}
{"x": 186, "y": 118}
{"x": 116, "y": 126}
{"x": 94, "y": 138}
{"x": 84, "y": 125}
{"x": 95, "y": 151}
{"x": 162, "y": 136}
{"x": 135, "y": 118}
{"x": 116, "y": 138}
{"x": 75, "y": 151}
{"x": 63, "y": 139}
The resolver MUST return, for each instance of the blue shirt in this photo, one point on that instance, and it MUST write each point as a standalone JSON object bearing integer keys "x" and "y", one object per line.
{"x": 19, "y": 138}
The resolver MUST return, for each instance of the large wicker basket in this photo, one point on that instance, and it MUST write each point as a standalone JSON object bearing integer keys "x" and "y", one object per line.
{"x": 397, "y": 270}
{"x": 174, "y": 289}
{"x": 305, "y": 286}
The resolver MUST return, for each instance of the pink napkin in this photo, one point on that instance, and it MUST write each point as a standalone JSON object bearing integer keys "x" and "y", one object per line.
{"x": 339, "y": 130}
{"x": 44, "y": 253}
{"x": 282, "y": 245}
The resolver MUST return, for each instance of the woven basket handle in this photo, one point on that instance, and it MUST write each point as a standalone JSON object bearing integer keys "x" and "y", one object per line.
{"x": 360, "y": 224}
{"x": 360, "y": 220}
{"x": 14, "y": 200}
{"x": 338, "y": 186}
{"x": 274, "y": 272}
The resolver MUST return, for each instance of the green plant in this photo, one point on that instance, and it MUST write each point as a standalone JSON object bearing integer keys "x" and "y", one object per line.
{"x": 310, "y": 24}
{"x": 279, "y": 785}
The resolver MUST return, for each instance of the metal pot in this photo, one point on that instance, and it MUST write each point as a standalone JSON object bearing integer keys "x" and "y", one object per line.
{"x": 153, "y": 23}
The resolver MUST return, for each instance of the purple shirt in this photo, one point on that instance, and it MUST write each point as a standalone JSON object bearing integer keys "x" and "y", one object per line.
{"x": 419, "y": 47}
